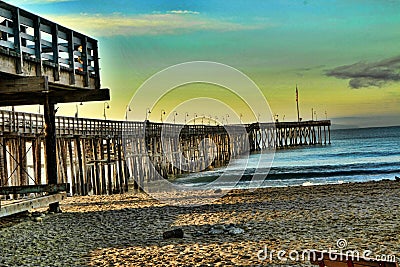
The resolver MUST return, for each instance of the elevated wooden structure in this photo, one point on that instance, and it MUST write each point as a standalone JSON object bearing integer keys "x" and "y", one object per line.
{"x": 289, "y": 134}
{"x": 40, "y": 59}
{"x": 44, "y": 63}
{"x": 103, "y": 156}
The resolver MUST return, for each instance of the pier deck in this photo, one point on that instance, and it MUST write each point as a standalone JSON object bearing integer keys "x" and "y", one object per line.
{"x": 41, "y": 62}
{"x": 103, "y": 156}
{"x": 39, "y": 59}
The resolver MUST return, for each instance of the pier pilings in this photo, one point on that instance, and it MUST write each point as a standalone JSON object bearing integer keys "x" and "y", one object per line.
{"x": 107, "y": 157}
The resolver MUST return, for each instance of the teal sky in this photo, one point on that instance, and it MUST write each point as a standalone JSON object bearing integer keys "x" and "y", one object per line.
{"x": 344, "y": 55}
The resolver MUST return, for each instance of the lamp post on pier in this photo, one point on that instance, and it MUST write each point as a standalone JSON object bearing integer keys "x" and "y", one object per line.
{"x": 105, "y": 106}
{"x": 148, "y": 111}
{"x": 162, "y": 113}
{"x": 186, "y": 115}
{"x": 175, "y": 114}
{"x": 128, "y": 109}
{"x": 312, "y": 114}
{"x": 77, "y": 110}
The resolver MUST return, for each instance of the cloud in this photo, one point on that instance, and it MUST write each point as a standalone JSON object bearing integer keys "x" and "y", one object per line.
{"x": 363, "y": 74}
{"x": 148, "y": 24}
{"x": 300, "y": 72}
{"x": 183, "y": 12}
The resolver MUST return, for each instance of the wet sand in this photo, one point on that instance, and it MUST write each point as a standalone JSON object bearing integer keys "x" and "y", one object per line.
{"x": 126, "y": 230}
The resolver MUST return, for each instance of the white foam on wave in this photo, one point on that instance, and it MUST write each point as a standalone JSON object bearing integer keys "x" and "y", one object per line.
{"x": 307, "y": 184}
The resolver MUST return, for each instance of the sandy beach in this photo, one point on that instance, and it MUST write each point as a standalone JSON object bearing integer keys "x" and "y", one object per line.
{"x": 126, "y": 230}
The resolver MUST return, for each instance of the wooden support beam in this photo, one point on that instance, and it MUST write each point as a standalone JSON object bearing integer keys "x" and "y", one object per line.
{"x": 26, "y": 189}
{"x": 56, "y": 55}
{"x": 80, "y": 159}
{"x": 23, "y": 85}
{"x": 71, "y": 49}
{"x": 17, "y": 40}
{"x": 85, "y": 62}
{"x": 33, "y": 98}
{"x": 109, "y": 178}
{"x": 25, "y": 205}
{"x": 96, "y": 64}
{"x": 51, "y": 148}
{"x": 38, "y": 47}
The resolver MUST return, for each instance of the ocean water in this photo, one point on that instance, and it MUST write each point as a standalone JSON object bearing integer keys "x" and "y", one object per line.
{"x": 355, "y": 155}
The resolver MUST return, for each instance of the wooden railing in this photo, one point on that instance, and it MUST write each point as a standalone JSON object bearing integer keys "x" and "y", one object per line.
{"x": 29, "y": 123}
{"x": 33, "y": 39}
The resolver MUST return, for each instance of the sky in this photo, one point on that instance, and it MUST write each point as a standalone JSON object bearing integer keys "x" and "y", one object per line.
{"x": 343, "y": 55}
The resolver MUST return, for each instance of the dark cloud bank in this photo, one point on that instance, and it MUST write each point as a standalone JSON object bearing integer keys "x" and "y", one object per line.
{"x": 364, "y": 74}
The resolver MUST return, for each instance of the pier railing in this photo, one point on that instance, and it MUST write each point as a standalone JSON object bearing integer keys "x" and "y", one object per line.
{"x": 103, "y": 156}
{"x": 34, "y": 46}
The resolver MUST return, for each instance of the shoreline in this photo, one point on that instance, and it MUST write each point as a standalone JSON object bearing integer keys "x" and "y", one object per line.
{"x": 126, "y": 230}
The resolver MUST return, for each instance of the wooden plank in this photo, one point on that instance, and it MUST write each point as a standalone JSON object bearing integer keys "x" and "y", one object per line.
{"x": 22, "y": 161}
{"x": 5, "y": 12}
{"x": 62, "y": 33}
{"x": 45, "y": 27}
{"x": 50, "y": 147}
{"x": 29, "y": 204}
{"x": 47, "y": 56}
{"x": 6, "y": 29}
{"x": 81, "y": 182}
{"x": 6, "y": 44}
{"x": 64, "y": 61}
{"x": 63, "y": 48}
{"x": 56, "y": 55}
{"x": 47, "y": 44}
{"x": 71, "y": 57}
{"x": 96, "y": 166}
{"x": 33, "y": 98}
{"x": 23, "y": 85}
{"x": 27, "y": 189}
{"x": 103, "y": 172}
{"x": 17, "y": 40}
{"x": 38, "y": 47}
{"x": 25, "y": 20}
{"x": 96, "y": 64}
{"x": 120, "y": 165}
{"x": 109, "y": 177}
{"x": 63, "y": 162}
{"x": 27, "y": 36}
{"x": 3, "y": 158}
{"x": 85, "y": 62}
{"x": 72, "y": 166}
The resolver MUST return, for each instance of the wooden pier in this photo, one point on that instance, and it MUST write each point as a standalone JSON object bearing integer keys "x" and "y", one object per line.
{"x": 44, "y": 63}
{"x": 289, "y": 134}
{"x": 104, "y": 157}
{"x": 45, "y": 156}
